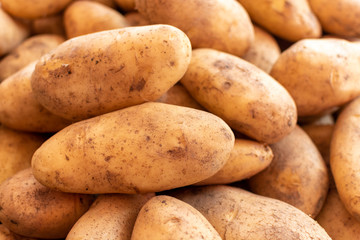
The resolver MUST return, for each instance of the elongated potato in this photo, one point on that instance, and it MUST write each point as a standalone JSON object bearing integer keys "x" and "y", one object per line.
{"x": 320, "y": 74}
{"x": 102, "y": 72}
{"x": 33, "y": 210}
{"x": 165, "y": 217}
{"x": 247, "y": 98}
{"x": 238, "y": 214}
{"x": 217, "y": 24}
{"x": 145, "y": 148}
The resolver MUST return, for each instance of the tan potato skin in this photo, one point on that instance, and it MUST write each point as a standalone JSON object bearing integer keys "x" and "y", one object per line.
{"x": 136, "y": 19}
{"x": 239, "y": 214}
{"x": 165, "y": 218}
{"x": 53, "y": 24}
{"x": 83, "y": 17}
{"x": 291, "y": 20}
{"x": 28, "y": 51}
{"x": 217, "y": 24}
{"x": 111, "y": 217}
{"x": 126, "y": 5}
{"x": 102, "y": 72}
{"x": 247, "y": 98}
{"x": 320, "y": 74}
{"x": 20, "y": 110}
{"x": 33, "y": 210}
{"x": 246, "y": 159}
{"x": 145, "y": 148}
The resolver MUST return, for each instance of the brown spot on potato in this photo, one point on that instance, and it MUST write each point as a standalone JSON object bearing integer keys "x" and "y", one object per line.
{"x": 13, "y": 222}
{"x": 227, "y": 85}
{"x": 67, "y": 158}
{"x": 107, "y": 158}
{"x": 63, "y": 71}
{"x": 227, "y": 135}
{"x": 137, "y": 85}
{"x": 223, "y": 64}
{"x": 177, "y": 152}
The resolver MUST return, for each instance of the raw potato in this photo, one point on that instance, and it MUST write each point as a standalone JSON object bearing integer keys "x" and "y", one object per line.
{"x": 102, "y": 72}
{"x": 83, "y": 17}
{"x": 30, "y": 209}
{"x": 291, "y": 20}
{"x": 145, "y": 148}
{"x": 111, "y": 217}
{"x": 247, "y": 98}
{"x": 20, "y": 110}
{"x": 53, "y": 24}
{"x": 238, "y": 214}
{"x": 246, "y": 159}
{"x": 320, "y": 74}
{"x": 136, "y": 19}
{"x": 166, "y": 218}
{"x": 126, "y": 5}
{"x": 217, "y": 24}
{"x": 28, "y": 51}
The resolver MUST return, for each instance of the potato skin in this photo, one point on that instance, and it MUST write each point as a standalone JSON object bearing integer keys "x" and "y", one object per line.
{"x": 247, "y": 98}
{"x": 102, "y": 72}
{"x": 217, "y": 24}
{"x": 164, "y": 218}
{"x": 145, "y": 148}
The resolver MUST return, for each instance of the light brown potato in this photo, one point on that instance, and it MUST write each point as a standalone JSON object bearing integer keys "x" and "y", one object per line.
{"x": 102, "y": 72}
{"x": 246, "y": 159}
{"x": 336, "y": 220}
{"x": 145, "y": 148}
{"x": 297, "y": 175}
{"x": 238, "y": 214}
{"x": 111, "y": 217}
{"x": 164, "y": 218}
{"x": 20, "y": 110}
{"x": 291, "y": 20}
{"x": 217, "y": 24}
{"x": 320, "y": 74}
{"x": 247, "y": 98}
{"x": 136, "y": 19}
{"x": 84, "y": 17}
{"x": 264, "y": 51}
{"x": 33, "y": 210}
{"x": 16, "y": 150}
{"x": 126, "y": 5}
{"x": 53, "y": 24}
{"x": 28, "y": 51}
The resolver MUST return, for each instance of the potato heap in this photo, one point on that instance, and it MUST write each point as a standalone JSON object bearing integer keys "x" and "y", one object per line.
{"x": 194, "y": 119}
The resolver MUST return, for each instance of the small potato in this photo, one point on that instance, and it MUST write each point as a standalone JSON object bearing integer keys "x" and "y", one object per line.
{"x": 53, "y": 24}
{"x": 83, "y": 17}
{"x": 247, "y": 98}
{"x": 126, "y": 5}
{"x": 136, "y": 19}
{"x": 102, "y": 72}
{"x": 165, "y": 218}
{"x": 217, "y": 24}
{"x": 32, "y": 210}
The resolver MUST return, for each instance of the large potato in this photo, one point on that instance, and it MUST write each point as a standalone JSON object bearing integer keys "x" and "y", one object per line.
{"x": 145, "y": 148}
{"x": 218, "y": 24}
{"x": 102, "y": 72}
{"x": 247, "y": 98}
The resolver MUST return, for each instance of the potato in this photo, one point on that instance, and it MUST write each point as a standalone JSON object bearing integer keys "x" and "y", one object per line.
{"x": 320, "y": 74}
{"x": 126, "y": 5}
{"x": 111, "y": 216}
{"x": 102, "y": 72}
{"x": 246, "y": 159}
{"x": 145, "y": 148}
{"x": 48, "y": 25}
{"x": 218, "y": 24}
{"x": 136, "y": 19}
{"x": 165, "y": 218}
{"x": 238, "y": 214}
{"x": 247, "y": 98}
{"x": 291, "y": 20}
{"x": 28, "y": 51}
{"x": 264, "y": 51}
{"x": 83, "y": 17}
{"x": 16, "y": 150}
{"x": 33, "y": 210}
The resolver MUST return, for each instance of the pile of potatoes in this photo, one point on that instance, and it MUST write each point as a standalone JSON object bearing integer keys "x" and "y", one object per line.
{"x": 193, "y": 119}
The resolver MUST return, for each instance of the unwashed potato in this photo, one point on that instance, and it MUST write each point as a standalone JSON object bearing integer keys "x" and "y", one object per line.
{"x": 145, "y": 148}
{"x": 136, "y": 19}
{"x": 20, "y": 110}
{"x": 217, "y": 24}
{"x": 239, "y": 214}
{"x": 164, "y": 218}
{"x": 246, "y": 159}
{"x": 291, "y": 20}
{"x": 83, "y": 17}
{"x": 111, "y": 217}
{"x": 28, "y": 51}
{"x": 33, "y": 210}
{"x": 102, "y": 72}
{"x": 53, "y": 24}
{"x": 247, "y": 98}
{"x": 126, "y": 5}
{"x": 320, "y": 74}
